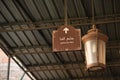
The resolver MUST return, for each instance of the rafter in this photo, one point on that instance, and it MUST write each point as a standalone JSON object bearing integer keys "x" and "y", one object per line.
{"x": 58, "y": 64}
{"x": 99, "y": 77}
{"x": 65, "y": 66}
{"x": 74, "y": 21}
{"x": 48, "y": 49}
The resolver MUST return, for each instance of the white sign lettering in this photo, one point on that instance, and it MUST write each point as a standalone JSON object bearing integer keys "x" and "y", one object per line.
{"x": 66, "y": 40}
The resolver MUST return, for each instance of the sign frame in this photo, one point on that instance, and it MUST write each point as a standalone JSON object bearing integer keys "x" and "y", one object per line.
{"x": 66, "y": 38}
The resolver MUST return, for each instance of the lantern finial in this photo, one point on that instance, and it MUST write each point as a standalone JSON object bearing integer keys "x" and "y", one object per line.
{"x": 94, "y": 26}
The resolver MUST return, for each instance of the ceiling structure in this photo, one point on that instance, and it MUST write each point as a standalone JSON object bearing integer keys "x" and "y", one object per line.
{"x": 26, "y": 36}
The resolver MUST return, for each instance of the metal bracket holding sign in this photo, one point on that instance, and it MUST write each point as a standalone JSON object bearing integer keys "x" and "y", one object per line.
{"x": 66, "y": 38}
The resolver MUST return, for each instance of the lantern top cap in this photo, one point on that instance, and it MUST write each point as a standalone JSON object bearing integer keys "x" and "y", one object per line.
{"x": 93, "y": 33}
{"x": 94, "y": 30}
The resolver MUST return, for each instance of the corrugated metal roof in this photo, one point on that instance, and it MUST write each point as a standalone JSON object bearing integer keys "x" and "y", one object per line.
{"x": 26, "y": 34}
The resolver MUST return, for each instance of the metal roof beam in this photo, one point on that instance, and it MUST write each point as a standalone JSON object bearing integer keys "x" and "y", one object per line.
{"x": 99, "y": 77}
{"x": 65, "y": 66}
{"x": 55, "y": 65}
{"x": 48, "y": 49}
{"x": 74, "y": 22}
{"x": 62, "y": 20}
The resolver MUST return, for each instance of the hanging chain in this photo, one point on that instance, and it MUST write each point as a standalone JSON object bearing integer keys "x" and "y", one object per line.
{"x": 65, "y": 10}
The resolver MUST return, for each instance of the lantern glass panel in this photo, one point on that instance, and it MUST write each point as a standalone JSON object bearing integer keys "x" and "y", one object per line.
{"x": 92, "y": 55}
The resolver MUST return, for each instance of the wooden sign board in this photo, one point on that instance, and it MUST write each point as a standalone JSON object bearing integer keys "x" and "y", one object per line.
{"x": 67, "y": 38}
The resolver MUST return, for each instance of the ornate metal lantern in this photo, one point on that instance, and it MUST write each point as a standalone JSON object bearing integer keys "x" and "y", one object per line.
{"x": 95, "y": 49}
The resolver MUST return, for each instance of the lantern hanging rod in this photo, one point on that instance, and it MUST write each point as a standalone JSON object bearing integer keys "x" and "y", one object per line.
{"x": 65, "y": 10}
{"x": 93, "y": 18}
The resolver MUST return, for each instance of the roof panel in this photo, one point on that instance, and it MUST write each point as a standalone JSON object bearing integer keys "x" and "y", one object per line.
{"x": 66, "y": 74}
{"x": 23, "y": 38}
{"x": 6, "y": 12}
{"x": 42, "y": 74}
{"x": 55, "y": 74}
{"x": 98, "y": 7}
{"x": 33, "y": 10}
{"x": 61, "y": 74}
{"x": 2, "y": 20}
{"x": 49, "y": 74}
{"x": 60, "y": 7}
{"x": 37, "y": 75}
{"x": 21, "y": 11}
{"x": 44, "y": 57}
{"x": 112, "y": 35}
{"x": 37, "y": 58}
{"x": 109, "y": 7}
{"x": 79, "y": 8}
{"x": 15, "y": 38}
{"x": 73, "y": 73}
{"x": 79, "y": 55}
{"x": 117, "y": 6}
{"x": 51, "y": 9}
{"x": 14, "y": 11}
{"x": 23, "y": 59}
{"x": 64, "y": 56}
{"x": 72, "y": 56}
{"x": 39, "y": 37}
{"x": 42, "y": 9}
{"x": 26, "y": 30}
{"x": 47, "y": 36}
{"x": 51, "y": 57}
{"x": 79, "y": 72}
{"x": 8, "y": 39}
{"x": 71, "y": 9}
{"x": 117, "y": 30}
{"x": 31, "y": 59}
{"x": 31, "y": 38}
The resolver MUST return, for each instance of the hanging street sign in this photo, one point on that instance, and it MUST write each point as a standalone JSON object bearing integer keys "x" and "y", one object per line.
{"x": 66, "y": 38}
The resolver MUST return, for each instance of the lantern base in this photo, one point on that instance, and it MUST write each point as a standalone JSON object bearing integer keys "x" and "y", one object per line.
{"x": 96, "y": 66}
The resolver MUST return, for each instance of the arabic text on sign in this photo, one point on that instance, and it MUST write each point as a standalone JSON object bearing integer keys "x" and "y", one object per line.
{"x": 66, "y": 40}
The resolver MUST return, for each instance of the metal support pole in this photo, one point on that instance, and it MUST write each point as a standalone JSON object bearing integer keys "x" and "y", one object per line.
{"x": 8, "y": 70}
{"x": 22, "y": 76}
{"x": 65, "y": 10}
